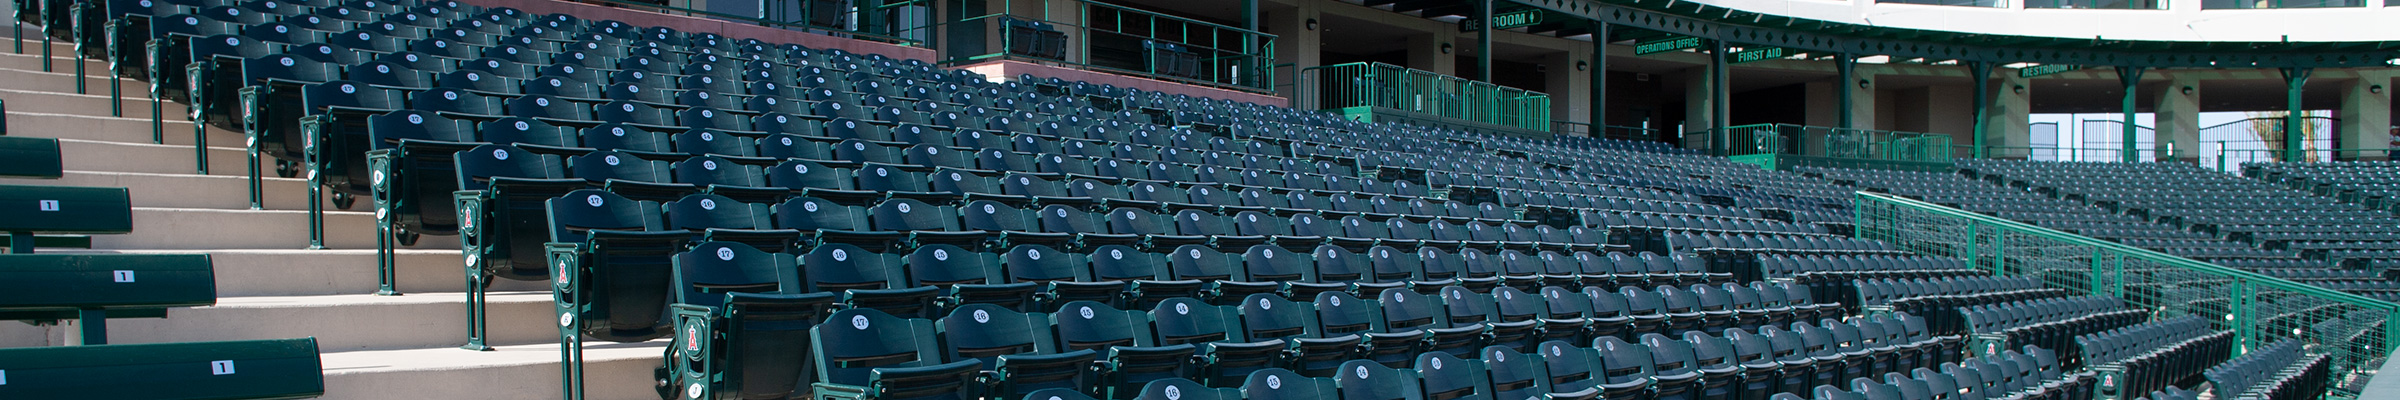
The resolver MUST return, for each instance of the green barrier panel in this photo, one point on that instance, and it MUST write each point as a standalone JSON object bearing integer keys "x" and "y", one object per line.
{"x": 2258, "y": 308}
{"x": 1827, "y": 142}
{"x": 1394, "y": 87}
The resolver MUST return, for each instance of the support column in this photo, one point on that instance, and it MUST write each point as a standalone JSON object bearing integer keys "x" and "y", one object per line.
{"x": 2177, "y": 118}
{"x": 1719, "y": 87}
{"x": 2366, "y": 116}
{"x": 2130, "y": 77}
{"x": 1599, "y": 80}
{"x": 1698, "y": 104}
{"x": 1846, "y": 85}
{"x": 1296, "y": 43}
{"x": 2293, "y": 138}
{"x": 2011, "y": 116}
{"x": 1483, "y": 42}
{"x": 1980, "y": 73}
{"x": 1565, "y": 84}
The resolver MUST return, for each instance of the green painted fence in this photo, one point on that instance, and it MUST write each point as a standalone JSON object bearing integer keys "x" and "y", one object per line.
{"x": 2260, "y": 309}
{"x": 1386, "y": 86}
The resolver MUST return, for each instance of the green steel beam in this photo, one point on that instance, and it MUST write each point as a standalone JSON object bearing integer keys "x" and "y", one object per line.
{"x": 1981, "y": 73}
{"x": 1599, "y": 79}
{"x": 2130, "y": 77}
{"x": 1483, "y": 39}
{"x": 2293, "y": 80}
{"x": 1846, "y": 67}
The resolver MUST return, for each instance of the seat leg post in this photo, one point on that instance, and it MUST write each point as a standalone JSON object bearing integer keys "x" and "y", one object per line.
{"x": 79, "y": 70}
{"x": 384, "y": 270}
{"x": 158, "y": 128}
{"x": 316, "y": 185}
{"x": 116, "y": 94}
{"x": 92, "y": 326}
{"x": 565, "y": 286}
{"x": 18, "y": 33}
{"x": 256, "y": 191}
{"x": 199, "y": 138}
{"x": 475, "y": 321}
{"x": 45, "y": 50}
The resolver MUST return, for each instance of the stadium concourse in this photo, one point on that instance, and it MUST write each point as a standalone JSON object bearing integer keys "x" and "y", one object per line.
{"x": 585, "y": 201}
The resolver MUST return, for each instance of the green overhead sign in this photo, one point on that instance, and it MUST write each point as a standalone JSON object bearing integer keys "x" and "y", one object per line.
{"x": 1666, "y": 45}
{"x": 1512, "y": 19}
{"x": 1758, "y": 54}
{"x": 2045, "y": 69}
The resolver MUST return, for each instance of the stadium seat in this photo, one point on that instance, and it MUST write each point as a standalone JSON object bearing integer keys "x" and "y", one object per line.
{"x": 862, "y": 353}
{"x": 741, "y": 323}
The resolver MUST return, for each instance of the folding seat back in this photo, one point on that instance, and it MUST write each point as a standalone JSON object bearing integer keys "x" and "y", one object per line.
{"x": 1180, "y": 389}
{"x": 867, "y": 353}
{"x": 1388, "y": 265}
{"x": 510, "y": 188}
{"x": 1406, "y": 310}
{"x": 612, "y": 256}
{"x": 1015, "y": 347}
{"x": 1126, "y": 339}
{"x": 742, "y": 322}
{"x": 866, "y": 279}
{"x": 1627, "y": 368}
{"x": 1367, "y": 380}
{"x": 1282, "y": 384}
{"x": 966, "y": 277}
{"x": 1444, "y": 376}
{"x": 628, "y": 138}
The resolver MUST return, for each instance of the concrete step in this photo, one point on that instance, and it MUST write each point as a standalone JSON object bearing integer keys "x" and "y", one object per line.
{"x": 96, "y": 125}
{"x": 347, "y": 322}
{"x": 224, "y": 192}
{"x": 24, "y": 72}
{"x": 194, "y": 229}
{"x": 332, "y": 272}
{"x": 224, "y": 159}
{"x": 62, "y": 55}
{"x": 94, "y": 104}
{"x": 612, "y": 371}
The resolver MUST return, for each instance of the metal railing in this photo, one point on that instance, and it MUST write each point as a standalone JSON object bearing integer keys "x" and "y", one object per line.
{"x": 2258, "y": 308}
{"x": 1393, "y": 87}
{"x": 1819, "y": 141}
{"x": 892, "y": 21}
{"x": 1572, "y": 128}
{"x": 1106, "y": 37}
{"x": 2228, "y": 157}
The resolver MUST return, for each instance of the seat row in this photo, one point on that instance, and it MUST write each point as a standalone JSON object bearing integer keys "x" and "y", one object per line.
{"x": 2154, "y": 355}
{"x": 1021, "y": 352}
{"x": 2278, "y": 371}
{"x": 2033, "y": 373}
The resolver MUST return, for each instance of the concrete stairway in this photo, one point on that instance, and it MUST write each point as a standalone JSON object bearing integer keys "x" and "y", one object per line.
{"x": 269, "y": 285}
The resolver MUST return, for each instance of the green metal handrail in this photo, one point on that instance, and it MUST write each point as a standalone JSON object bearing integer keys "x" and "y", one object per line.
{"x": 1821, "y": 141}
{"x": 799, "y": 20}
{"x": 1572, "y": 128}
{"x": 2260, "y": 309}
{"x": 1228, "y": 57}
{"x": 1387, "y": 86}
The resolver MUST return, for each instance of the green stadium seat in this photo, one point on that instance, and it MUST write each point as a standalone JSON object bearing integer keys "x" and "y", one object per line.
{"x": 1016, "y": 350}
{"x": 1368, "y": 380}
{"x": 967, "y": 277}
{"x": 1283, "y": 384}
{"x": 252, "y": 369}
{"x": 1181, "y": 389}
{"x": 867, "y": 279}
{"x": 92, "y": 288}
{"x": 612, "y": 259}
{"x": 862, "y": 353}
{"x": 1130, "y": 354}
{"x": 741, "y": 323}
{"x": 29, "y": 157}
{"x": 28, "y": 210}
{"x": 720, "y": 218}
